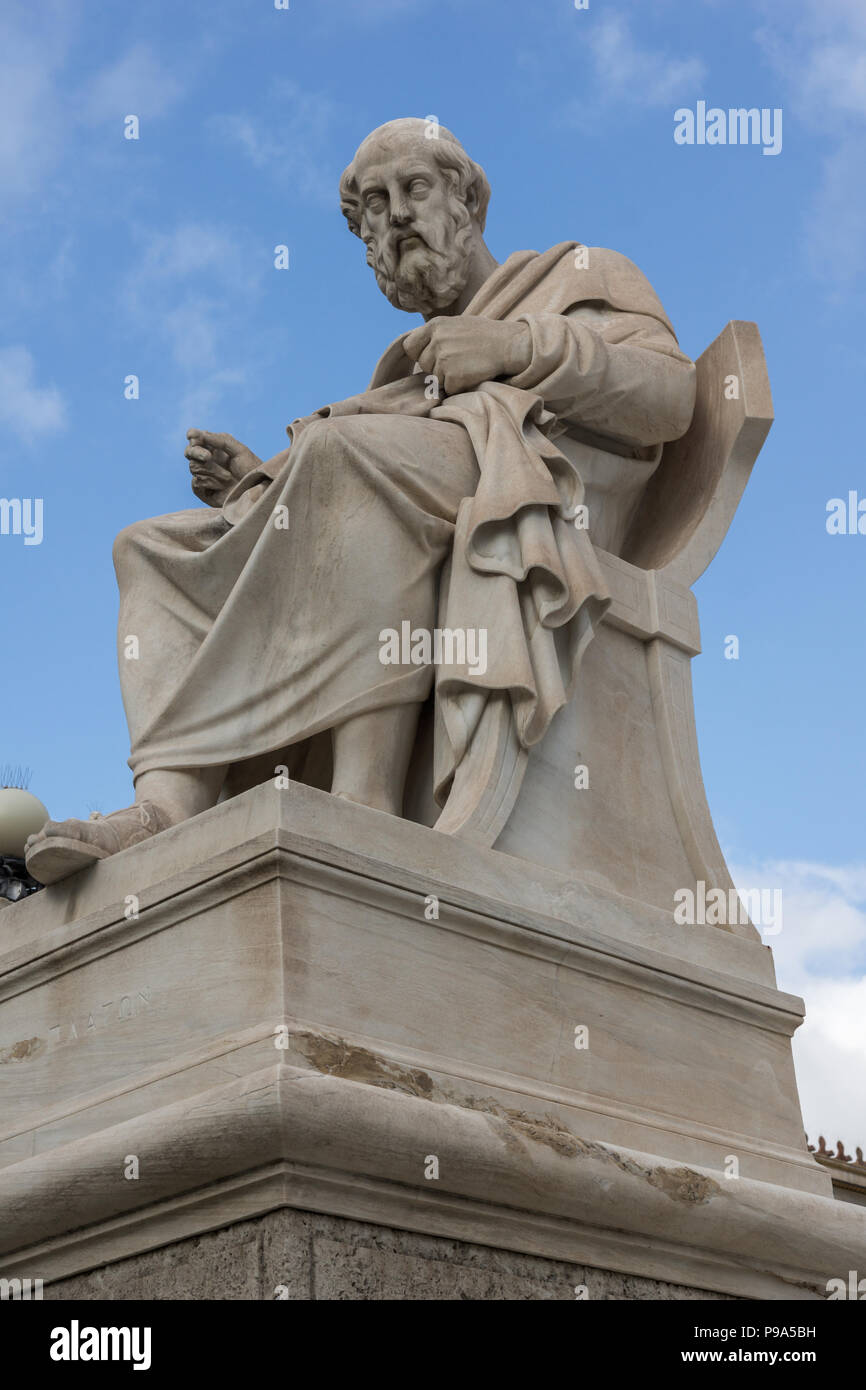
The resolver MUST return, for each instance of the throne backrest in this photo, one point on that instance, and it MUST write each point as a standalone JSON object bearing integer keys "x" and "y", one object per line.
{"x": 691, "y": 498}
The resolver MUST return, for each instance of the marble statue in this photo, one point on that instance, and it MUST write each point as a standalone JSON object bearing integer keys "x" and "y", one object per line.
{"x": 418, "y": 805}
{"x": 447, "y": 498}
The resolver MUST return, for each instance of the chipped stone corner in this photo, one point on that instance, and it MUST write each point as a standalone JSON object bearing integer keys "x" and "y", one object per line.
{"x": 334, "y": 1056}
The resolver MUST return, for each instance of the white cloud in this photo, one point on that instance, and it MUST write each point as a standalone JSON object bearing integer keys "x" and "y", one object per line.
{"x": 43, "y": 98}
{"x": 629, "y": 72}
{"x": 200, "y": 406}
{"x": 189, "y": 297}
{"x": 185, "y": 287}
{"x": 835, "y": 78}
{"x": 30, "y": 411}
{"x": 819, "y": 51}
{"x": 138, "y": 84}
{"x": 289, "y": 138}
{"x": 819, "y": 48}
{"x": 820, "y": 954}
{"x": 31, "y": 125}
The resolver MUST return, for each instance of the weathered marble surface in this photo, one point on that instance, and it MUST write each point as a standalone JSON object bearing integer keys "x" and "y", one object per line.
{"x": 294, "y": 916}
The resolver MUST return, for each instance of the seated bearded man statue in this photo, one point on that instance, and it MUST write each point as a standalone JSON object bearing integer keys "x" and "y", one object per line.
{"x": 451, "y": 490}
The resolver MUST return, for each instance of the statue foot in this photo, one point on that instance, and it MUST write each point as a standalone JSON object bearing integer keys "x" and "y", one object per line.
{"x": 62, "y": 848}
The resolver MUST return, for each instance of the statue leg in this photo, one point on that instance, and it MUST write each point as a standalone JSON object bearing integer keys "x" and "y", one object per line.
{"x": 237, "y": 640}
{"x": 294, "y": 648}
{"x": 163, "y": 797}
{"x": 371, "y": 757}
{"x": 181, "y": 792}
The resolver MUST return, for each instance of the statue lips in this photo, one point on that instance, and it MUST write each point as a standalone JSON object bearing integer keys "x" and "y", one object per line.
{"x": 402, "y": 242}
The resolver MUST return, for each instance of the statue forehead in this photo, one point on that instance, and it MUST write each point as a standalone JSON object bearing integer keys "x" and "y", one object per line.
{"x": 393, "y": 148}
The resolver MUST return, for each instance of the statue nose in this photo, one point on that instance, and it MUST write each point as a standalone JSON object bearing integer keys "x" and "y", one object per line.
{"x": 399, "y": 215}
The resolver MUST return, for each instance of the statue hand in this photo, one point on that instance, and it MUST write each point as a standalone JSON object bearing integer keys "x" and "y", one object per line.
{"x": 462, "y": 350}
{"x": 217, "y": 462}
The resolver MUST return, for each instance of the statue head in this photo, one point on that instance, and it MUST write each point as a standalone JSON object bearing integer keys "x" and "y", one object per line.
{"x": 418, "y": 202}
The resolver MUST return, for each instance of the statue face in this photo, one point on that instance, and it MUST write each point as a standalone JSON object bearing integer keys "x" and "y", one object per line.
{"x": 417, "y": 231}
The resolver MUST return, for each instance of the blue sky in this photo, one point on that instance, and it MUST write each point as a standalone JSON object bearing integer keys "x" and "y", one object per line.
{"x": 154, "y": 257}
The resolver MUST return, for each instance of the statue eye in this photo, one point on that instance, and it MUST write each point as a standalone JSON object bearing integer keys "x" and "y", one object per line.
{"x": 418, "y": 188}
{"x": 375, "y": 202}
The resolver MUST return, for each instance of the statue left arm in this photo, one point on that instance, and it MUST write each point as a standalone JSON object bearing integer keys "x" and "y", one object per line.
{"x": 615, "y": 373}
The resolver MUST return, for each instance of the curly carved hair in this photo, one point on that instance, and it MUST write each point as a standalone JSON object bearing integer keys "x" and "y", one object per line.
{"x": 465, "y": 175}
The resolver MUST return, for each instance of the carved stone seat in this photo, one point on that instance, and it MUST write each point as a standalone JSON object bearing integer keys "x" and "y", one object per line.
{"x": 642, "y": 826}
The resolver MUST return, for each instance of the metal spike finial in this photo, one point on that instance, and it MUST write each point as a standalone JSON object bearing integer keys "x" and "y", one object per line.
{"x": 14, "y": 775}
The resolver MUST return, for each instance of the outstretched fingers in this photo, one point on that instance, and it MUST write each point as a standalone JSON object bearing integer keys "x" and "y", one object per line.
{"x": 220, "y": 447}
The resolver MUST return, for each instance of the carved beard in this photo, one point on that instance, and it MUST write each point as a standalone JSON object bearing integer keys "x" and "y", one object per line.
{"x": 426, "y": 277}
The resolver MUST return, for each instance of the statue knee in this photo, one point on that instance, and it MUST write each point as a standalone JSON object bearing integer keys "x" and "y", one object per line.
{"x": 128, "y": 543}
{"x": 327, "y": 448}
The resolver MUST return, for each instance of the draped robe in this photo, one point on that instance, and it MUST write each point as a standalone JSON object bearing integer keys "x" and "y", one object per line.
{"x": 260, "y": 623}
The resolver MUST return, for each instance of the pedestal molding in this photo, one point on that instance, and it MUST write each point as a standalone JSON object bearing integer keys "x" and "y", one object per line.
{"x": 276, "y": 857}
{"x": 503, "y": 1182}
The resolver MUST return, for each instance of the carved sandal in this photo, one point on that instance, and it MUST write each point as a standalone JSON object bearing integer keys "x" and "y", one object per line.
{"x": 61, "y": 848}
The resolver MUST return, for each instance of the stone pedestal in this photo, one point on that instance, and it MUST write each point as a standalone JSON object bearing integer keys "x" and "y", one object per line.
{"x": 296, "y": 1003}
